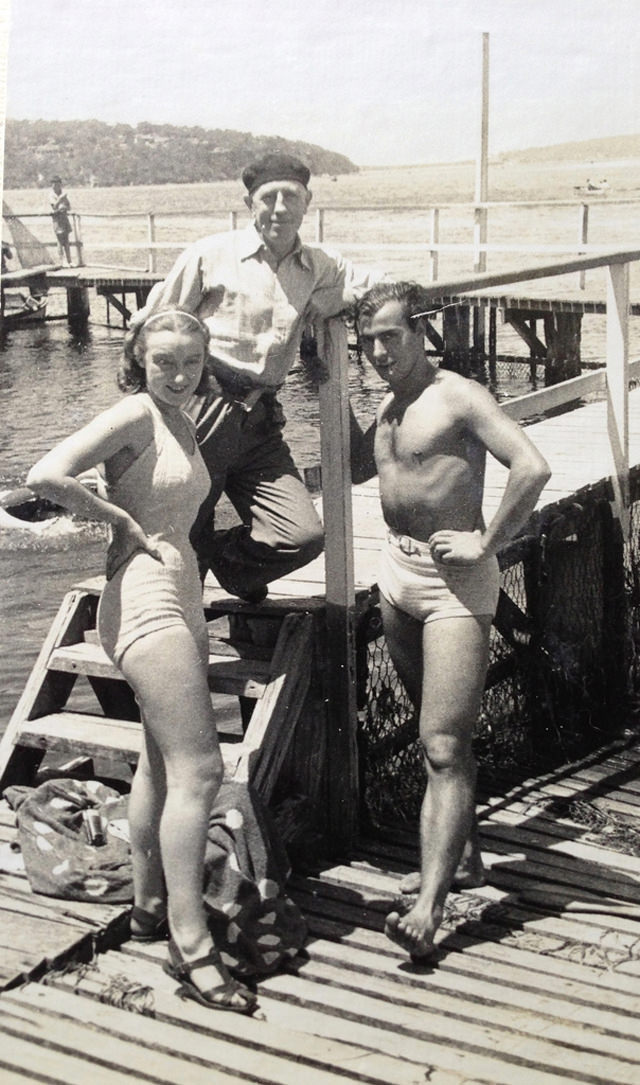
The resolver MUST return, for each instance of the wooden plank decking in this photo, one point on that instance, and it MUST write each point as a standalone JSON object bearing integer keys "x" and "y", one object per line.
{"x": 537, "y": 979}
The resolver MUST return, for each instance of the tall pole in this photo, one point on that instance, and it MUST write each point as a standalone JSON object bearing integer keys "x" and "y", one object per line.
{"x": 482, "y": 161}
{"x": 481, "y": 193}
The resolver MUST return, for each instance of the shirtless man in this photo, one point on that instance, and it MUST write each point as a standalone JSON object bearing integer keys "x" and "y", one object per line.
{"x": 439, "y": 577}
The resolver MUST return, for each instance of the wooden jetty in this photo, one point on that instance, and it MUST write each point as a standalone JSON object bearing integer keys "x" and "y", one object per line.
{"x": 538, "y": 973}
{"x": 549, "y": 325}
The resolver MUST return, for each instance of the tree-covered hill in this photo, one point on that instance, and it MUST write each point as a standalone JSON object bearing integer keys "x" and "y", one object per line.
{"x": 605, "y": 148}
{"x": 94, "y": 153}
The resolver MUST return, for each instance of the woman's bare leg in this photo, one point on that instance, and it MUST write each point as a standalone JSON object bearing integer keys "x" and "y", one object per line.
{"x": 168, "y": 676}
{"x": 146, "y": 803}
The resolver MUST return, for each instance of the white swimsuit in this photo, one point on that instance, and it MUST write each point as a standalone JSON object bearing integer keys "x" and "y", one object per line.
{"x": 162, "y": 489}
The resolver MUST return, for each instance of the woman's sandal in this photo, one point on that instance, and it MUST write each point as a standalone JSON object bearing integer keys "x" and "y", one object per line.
{"x": 217, "y": 998}
{"x": 150, "y": 927}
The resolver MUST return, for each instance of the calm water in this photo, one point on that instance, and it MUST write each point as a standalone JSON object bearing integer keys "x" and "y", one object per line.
{"x": 51, "y": 382}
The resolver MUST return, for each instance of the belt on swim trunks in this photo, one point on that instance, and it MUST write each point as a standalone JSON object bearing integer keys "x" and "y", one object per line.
{"x": 408, "y": 545}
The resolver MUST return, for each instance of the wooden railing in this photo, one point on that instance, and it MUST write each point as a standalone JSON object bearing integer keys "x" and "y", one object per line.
{"x": 614, "y": 378}
{"x": 431, "y": 246}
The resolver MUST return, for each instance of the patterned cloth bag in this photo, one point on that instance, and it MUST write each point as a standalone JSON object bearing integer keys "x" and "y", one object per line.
{"x": 52, "y": 833}
{"x": 255, "y": 924}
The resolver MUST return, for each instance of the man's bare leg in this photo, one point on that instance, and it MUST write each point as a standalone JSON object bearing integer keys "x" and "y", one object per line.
{"x": 470, "y": 872}
{"x": 450, "y": 699}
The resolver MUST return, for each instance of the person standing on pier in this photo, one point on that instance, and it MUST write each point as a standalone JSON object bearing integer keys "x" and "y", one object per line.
{"x": 60, "y": 206}
{"x": 439, "y": 575}
{"x": 256, "y": 289}
{"x": 151, "y": 625}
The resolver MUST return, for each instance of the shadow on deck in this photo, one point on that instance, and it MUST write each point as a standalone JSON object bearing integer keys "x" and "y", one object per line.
{"x": 537, "y": 978}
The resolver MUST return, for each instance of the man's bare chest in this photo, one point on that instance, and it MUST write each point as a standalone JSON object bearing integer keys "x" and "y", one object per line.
{"x": 414, "y": 437}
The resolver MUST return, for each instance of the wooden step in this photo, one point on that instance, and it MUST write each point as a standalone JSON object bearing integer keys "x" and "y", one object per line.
{"x": 239, "y": 677}
{"x": 42, "y": 723}
{"x": 82, "y": 732}
{"x": 97, "y": 736}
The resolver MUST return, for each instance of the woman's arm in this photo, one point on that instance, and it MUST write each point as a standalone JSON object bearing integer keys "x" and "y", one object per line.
{"x": 55, "y": 476}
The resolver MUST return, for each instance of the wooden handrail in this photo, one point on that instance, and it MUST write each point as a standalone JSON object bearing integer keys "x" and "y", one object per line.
{"x": 412, "y": 208}
{"x": 478, "y": 246}
{"x": 488, "y": 279}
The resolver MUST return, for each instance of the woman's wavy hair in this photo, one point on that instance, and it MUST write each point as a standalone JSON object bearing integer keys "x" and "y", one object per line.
{"x": 131, "y": 375}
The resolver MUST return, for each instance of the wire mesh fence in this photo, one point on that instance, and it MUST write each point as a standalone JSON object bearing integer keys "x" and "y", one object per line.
{"x": 564, "y": 661}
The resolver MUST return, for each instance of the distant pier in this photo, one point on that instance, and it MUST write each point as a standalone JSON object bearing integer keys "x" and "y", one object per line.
{"x": 550, "y": 326}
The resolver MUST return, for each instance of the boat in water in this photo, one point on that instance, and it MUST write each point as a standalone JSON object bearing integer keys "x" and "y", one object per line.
{"x": 23, "y": 510}
{"x": 593, "y": 188}
{"x": 25, "y": 261}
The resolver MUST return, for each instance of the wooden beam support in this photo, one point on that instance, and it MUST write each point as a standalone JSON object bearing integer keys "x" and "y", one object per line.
{"x": 434, "y": 338}
{"x": 117, "y": 304}
{"x": 340, "y": 591}
{"x": 516, "y": 319}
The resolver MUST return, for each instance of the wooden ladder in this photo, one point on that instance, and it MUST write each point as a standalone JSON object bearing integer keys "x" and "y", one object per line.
{"x": 44, "y": 723}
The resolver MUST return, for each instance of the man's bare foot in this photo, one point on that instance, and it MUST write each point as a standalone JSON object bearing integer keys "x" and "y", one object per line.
{"x": 471, "y": 872}
{"x": 413, "y": 931}
{"x": 464, "y": 878}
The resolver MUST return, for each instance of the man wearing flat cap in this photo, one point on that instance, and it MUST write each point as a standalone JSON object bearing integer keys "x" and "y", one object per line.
{"x": 256, "y": 289}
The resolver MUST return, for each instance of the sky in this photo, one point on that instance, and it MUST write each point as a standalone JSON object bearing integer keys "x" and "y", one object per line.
{"x": 385, "y": 82}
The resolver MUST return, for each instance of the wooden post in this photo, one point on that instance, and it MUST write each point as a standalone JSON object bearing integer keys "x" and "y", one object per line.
{"x": 78, "y": 307}
{"x": 493, "y": 344}
{"x": 233, "y": 220}
{"x": 77, "y": 239}
{"x": 618, "y": 387}
{"x": 320, "y": 225}
{"x": 435, "y": 238}
{"x": 151, "y": 235}
{"x": 616, "y": 643}
{"x": 455, "y": 332}
{"x": 340, "y": 590}
{"x": 583, "y": 234}
{"x": 563, "y": 332}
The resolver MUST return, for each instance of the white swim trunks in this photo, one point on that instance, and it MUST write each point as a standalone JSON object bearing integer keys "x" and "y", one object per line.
{"x": 412, "y": 581}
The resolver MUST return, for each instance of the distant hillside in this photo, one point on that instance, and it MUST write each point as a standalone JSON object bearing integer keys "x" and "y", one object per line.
{"x": 94, "y": 153}
{"x": 588, "y": 150}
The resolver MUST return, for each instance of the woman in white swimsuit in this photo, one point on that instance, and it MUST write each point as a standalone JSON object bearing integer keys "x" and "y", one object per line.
{"x": 151, "y": 624}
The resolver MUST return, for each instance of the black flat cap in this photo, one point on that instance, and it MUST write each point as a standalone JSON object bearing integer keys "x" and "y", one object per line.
{"x": 275, "y": 167}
